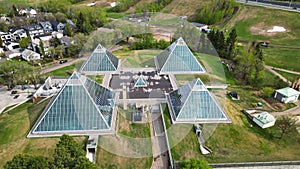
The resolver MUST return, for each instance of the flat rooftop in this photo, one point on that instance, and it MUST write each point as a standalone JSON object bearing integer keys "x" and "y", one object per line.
{"x": 157, "y": 85}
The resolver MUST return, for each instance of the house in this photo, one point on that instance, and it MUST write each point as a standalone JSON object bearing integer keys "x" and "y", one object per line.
{"x": 34, "y": 30}
{"x": 11, "y": 45}
{"x": 45, "y": 37}
{"x": 57, "y": 26}
{"x": 5, "y": 19}
{"x": 57, "y": 35}
{"x": 262, "y": 118}
{"x": 45, "y": 40}
{"x": 29, "y": 12}
{"x": 47, "y": 27}
{"x": 5, "y": 37}
{"x": 286, "y": 95}
{"x": 201, "y": 27}
{"x": 67, "y": 41}
{"x": 17, "y": 33}
{"x": 13, "y": 53}
{"x": 30, "y": 55}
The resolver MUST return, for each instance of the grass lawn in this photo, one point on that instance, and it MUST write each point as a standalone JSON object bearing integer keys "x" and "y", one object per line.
{"x": 137, "y": 58}
{"x": 283, "y": 58}
{"x": 238, "y": 141}
{"x": 252, "y": 22}
{"x": 128, "y": 128}
{"x": 14, "y": 127}
{"x": 291, "y": 77}
{"x": 109, "y": 160}
{"x": 65, "y": 71}
{"x": 96, "y": 78}
{"x": 136, "y": 136}
{"x": 213, "y": 67}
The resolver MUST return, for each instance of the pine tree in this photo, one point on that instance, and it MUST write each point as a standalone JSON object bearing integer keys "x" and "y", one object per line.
{"x": 68, "y": 30}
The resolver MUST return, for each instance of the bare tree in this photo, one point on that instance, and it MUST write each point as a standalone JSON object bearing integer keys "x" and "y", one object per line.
{"x": 286, "y": 124}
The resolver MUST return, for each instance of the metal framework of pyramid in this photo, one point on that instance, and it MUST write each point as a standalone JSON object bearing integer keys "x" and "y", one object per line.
{"x": 81, "y": 107}
{"x": 100, "y": 61}
{"x": 141, "y": 82}
{"x": 178, "y": 59}
{"x": 193, "y": 103}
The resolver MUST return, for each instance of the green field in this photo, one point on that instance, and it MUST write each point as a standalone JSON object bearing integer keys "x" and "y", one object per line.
{"x": 252, "y": 23}
{"x": 283, "y": 58}
{"x": 14, "y": 127}
{"x": 291, "y": 77}
{"x": 137, "y": 58}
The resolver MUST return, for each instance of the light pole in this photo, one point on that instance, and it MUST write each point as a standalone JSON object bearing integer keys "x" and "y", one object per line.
{"x": 290, "y": 3}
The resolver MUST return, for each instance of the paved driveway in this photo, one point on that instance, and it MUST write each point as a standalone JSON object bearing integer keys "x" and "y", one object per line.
{"x": 7, "y": 99}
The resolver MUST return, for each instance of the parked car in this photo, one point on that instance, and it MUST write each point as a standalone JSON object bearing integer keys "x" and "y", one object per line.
{"x": 63, "y": 61}
{"x": 264, "y": 44}
{"x": 16, "y": 96}
{"x": 14, "y": 92}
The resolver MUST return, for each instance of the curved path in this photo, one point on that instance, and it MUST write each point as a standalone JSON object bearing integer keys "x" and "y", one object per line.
{"x": 292, "y": 111}
{"x": 270, "y": 69}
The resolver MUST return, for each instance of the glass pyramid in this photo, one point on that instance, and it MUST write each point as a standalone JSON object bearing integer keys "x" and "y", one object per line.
{"x": 100, "y": 61}
{"x": 193, "y": 103}
{"x": 141, "y": 82}
{"x": 178, "y": 58}
{"x": 82, "y": 105}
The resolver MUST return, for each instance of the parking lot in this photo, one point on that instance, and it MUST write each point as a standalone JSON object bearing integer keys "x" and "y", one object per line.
{"x": 8, "y": 99}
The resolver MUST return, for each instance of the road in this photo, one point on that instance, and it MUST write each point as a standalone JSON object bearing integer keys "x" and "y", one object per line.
{"x": 58, "y": 66}
{"x": 269, "y": 5}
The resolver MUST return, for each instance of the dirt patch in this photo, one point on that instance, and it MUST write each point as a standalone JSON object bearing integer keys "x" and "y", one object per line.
{"x": 261, "y": 29}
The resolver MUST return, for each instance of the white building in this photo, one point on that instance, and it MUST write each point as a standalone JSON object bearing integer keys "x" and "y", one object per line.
{"x": 286, "y": 95}
{"x": 262, "y": 118}
{"x": 30, "y": 55}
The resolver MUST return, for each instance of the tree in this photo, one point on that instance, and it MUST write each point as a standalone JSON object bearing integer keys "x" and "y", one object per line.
{"x": 24, "y": 42}
{"x": 286, "y": 124}
{"x": 68, "y": 30}
{"x": 249, "y": 66}
{"x": 34, "y": 76}
{"x": 1, "y": 42}
{"x": 42, "y": 47}
{"x": 69, "y": 154}
{"x": 230, "y": 45}
{"x": 27, "y": 161}
{"x": 195, "y": 163}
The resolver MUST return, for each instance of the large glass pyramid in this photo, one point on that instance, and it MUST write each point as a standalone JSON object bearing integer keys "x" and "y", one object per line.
{"x": 178, "y": 58}
{"x": 81, "y": 106}
{"x": 100, "y": 61}
{"x": 141, "y": 82}
{"x": 193, "y": 103}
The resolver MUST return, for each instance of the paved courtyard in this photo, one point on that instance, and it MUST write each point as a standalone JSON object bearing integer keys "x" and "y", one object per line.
{"x": 157, "y": 85}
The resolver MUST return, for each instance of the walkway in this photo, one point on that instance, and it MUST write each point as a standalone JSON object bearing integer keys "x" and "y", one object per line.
{"x": 287, "y": 71}
{"x": 159, "y": 143}
{"x": 292, "y": 111}
{"x": 270, "y": 68}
